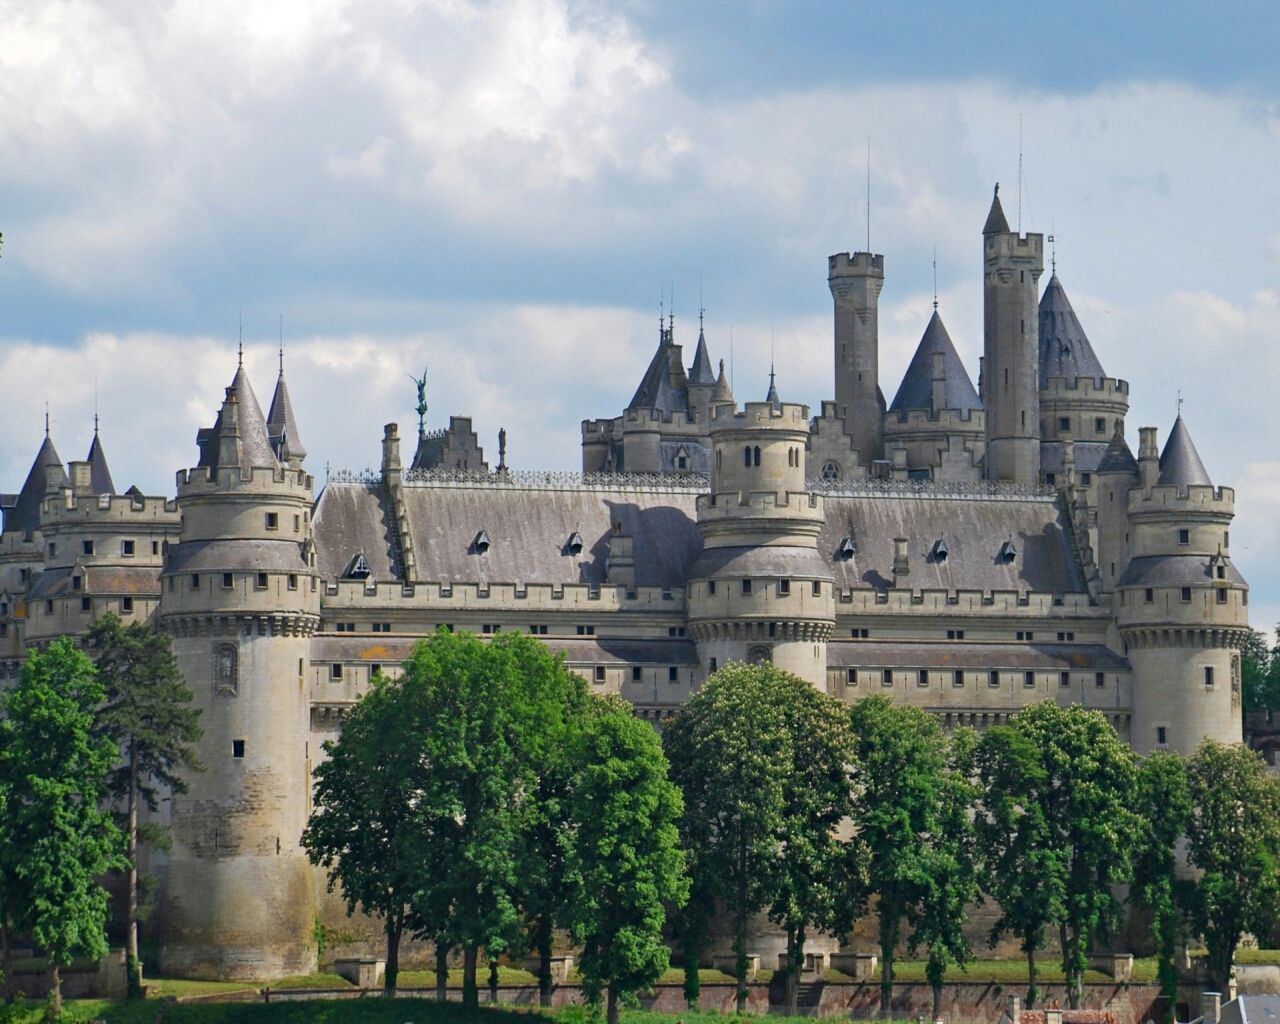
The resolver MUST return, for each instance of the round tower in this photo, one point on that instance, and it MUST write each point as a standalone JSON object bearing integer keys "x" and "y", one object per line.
{"x": 855, "y": 281}
{"x": 760, "y": 591}
{"x": 1117, "y": 476}
{"x": 240, "y": 596}
{"x": 1182, "y": 609}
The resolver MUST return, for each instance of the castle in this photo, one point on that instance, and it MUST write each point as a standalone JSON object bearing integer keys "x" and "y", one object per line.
{"x": 966, "y": 550}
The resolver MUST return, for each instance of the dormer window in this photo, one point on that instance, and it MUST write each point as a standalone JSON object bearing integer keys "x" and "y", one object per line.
{"x": 1007, "y": 553}
{"x": 357, "y": 568}
{"x": 76, "y": 583}
{"x": 846, "y": 550}
{"x": 480, "y": 544}
{"x": 939, "y": 551}
{"x": 574, "y": 544}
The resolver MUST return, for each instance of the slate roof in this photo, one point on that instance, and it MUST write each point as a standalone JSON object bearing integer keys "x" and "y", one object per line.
{"x": 656, "y": 391}
{"x": 528, "y": 529}
{"x": 256, "y": 447}
{"x": 996, "y": 223}
{"x": 1118, "y": 457}
{"x": 46, "y": 474}
{"x": 1180, "y": 463}
{"x": 771, "y": 396}
{"x": 282, "y": 425}
{"x": 99, "y": 474}
{"x": 722, "y": 393}
{"x": 235, "y": 556}
{"x": 916, "y": 389}
{"x": 1064, "y": 347}
{"x": 97, "y": 579}
{"x": 1174, "y": 570}
{"x": 1088, "y": 456}
{"x": 1019, "y": 657}
{"x": 701, "y": 372}
{"x": 1251, "y": 1009}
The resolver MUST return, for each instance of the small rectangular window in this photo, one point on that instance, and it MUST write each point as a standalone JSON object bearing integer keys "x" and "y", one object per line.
{"x": 88, "y": 547}
{"x": 1099, "y": 425}
{"x": 195, "y": 581}
{"x": 1064, "y": 422}
{"x": 262, "y": 581}
{"x": 1051, "y": 478}
{"x": 817, "y": 588}
{"x": 273, "y": 520}
{"x": 237, "y": 748}
{"x": 1226, "y": 538}
{"x": 1149, "y": 595}
{"x": 886, "y": 677}
{"x": 335, "y": 670}
{"x": 297, "y": 523}
{"x": 53, "y": 550}
{"x": 293, "y": 581}
{"x": 126, "y": 604}
{"x": 374, "y": 669}
{"x": 784, "y": 587}
{"x": 922, "y": 677}
{"x": 1064, "y": 678}
{"x": 86, "y": 604}
{"x": 1028, "y": 679}
{"x": 586, "y": 631}
{"x": 713, "y": 665}
{"x": 48, "y": 607}
{"x": 636, "y": 673}
{"x": 746, "y": 586}
{"x": 1208, "y": 677}
{"x": 1162, "y": 736}
{"x": 851, "y": 676}
{"x": 993, "y": 679}
{"x": 711, "y": 586}
{"x": 859, "y": 634}
{"x": 77, "y": 583}
{"x": 227, "y": 580}
{"x": 155, "y": 547}
{"x": 1186, "y": 595}
{"x": 1099, "y": 679}
{"x": 957, "y": 677}
{"x": 599, "y": 673}
{"x": 126, "y": 548}
{"x": 1222, "y": 595}
{"x": 1184, "y": 536}
{"x": 1086, "y": 479}
{"x": 955, "y": 634}
{"x": 673, "y": 675}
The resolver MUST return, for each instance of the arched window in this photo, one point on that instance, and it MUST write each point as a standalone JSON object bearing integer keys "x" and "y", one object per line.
{"x": 755, "y": 454}
{"x": 746, "y": 456}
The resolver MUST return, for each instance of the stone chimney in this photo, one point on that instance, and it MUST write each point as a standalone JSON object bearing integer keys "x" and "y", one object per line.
{"x": 901, "y": 567}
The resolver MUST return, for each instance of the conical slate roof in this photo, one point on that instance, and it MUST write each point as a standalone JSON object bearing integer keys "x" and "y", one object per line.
{"x": 701, "y": 372}
{"x": 282, "y": 425}
{"x": 772, "y": 395}
{"x": 656, "y": 391}
{"x": 1118, "y": 458}
{"x": 722, "y": 393}
{"x": 1064, "y": 347}
{"x": 100, "y": 481}
{"x": 1180, "y": 464}
{"x": 996, "y": 223}
{"x": 255, "y": 443}
{"x": 916, "y": 390}
{"x": 46, "y": 474}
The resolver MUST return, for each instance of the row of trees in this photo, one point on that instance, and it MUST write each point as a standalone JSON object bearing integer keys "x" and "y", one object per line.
{"x": 484, "y": 799}
{"x": 1260, "y": 672}
{"x": 813, "y": 812}
{"x": 85, "y": 743}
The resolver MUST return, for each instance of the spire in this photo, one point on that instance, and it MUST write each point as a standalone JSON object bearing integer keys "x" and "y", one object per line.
{"x": 241, "y": 428}
{"x": 772, "y": 396}
{"x": 916, "y": 389}
{"x": 282, "y": 425}
{"x": 722, "y": 393}
{"x": 701, "y": 371}
{"x": 1118, "y": 458}
{"x": 46, "y": 474}
{"x": 1180, "y": 464}
{"x": 996, "y": 223}
{"x": 100, "y": 481}
{"x": 1064, "y": 347}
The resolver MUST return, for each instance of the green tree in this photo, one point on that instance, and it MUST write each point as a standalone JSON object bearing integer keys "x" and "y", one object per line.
{"x": 625, "y": 852}
{"x": 816, "y": 794}
{"x": 1060, "y": 809}
{"x": 1163, "y": 805}
{"x": 63, "y": 839}
{"x": 951, "y": 885}
{"x": 370, "y": 823}
{"x": 147, "y": 714}
{"x": 1259, "y": 673}
{"x": 900, "y": 754}
{"x": 729, "y": 755}
{"x": 1234, "y": 840}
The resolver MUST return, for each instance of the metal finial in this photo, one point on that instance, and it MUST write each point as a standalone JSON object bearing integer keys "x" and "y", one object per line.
{"x": 701, "y": 308}
{"x": 281, "y": 344}
{"x": 935, "y": 277}
{"x": 240, "y": 350}
{"x": 1179, "y": 403}
{"x": 1053, "y": 253}
{"x": 95, "y": 406}
{"x": 421, "y": 383}
{"x": 46, "y": 417}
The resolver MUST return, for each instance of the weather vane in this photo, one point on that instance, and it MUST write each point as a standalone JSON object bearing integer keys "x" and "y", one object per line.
{"x": 421, "y": 382}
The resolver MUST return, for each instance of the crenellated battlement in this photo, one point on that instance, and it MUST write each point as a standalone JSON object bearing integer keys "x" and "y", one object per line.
{"x": 473, "y": 602}
{"x": 1195, "y": 500}
{"x": 945, "y": 420}
{"x": 731, "y": 504}
{"x": 260, "y": 479}
{"x": 1014, "y": 247}
{"x": 1100, "y": 388}
{"x": 791, "y": 416}
{"x": 599, "y": 428}
{"x": 855, "y": 264}
{"x": 66, "y": 507}
{"x": 639, "y": 419}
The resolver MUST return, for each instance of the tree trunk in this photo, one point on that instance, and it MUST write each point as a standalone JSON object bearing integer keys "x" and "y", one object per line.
{"x": 740, "y": 932}
{"x": 6, "y": 961}
{"x": 1032, "y": 991}
{"x": 937, "y": 1002}
{"x": 470, "y": 992}
{"x": 888, "y": 940}
{"x": 493, "y": 981}
{"x": 133, "y": 965}
{"x": 611, "y": 1017}
{"x": 544, "y": 961}
{"x": 1071, "y": 965}
{"x": 442, "y": 971}
{"x": 395, "y": 927}
{"x": 55, "y": 991}
{"x": 791, "y": 981}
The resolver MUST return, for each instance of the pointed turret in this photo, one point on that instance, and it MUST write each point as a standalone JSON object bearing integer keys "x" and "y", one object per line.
{"x": 701, "y": 372}
{"x": 99, "y": 475}
{"x": 722, "y": 393}
{"x": 772, "y": 395}
{"x": 1118, "y": 457}
{"x": 663, "y": 388}
{"x": 282, "y": 425}
{"x": 1180, "y": 464}
{"x": 240, "y": 436}
{"x": 916, "y": 390}
{"x": 46, "y": 474}
{"x": 996, "y": 223}
{"x": 1064, "y": 347}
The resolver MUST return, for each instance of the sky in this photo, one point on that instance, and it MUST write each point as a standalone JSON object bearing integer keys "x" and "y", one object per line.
{"x": 502, "y": 193}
